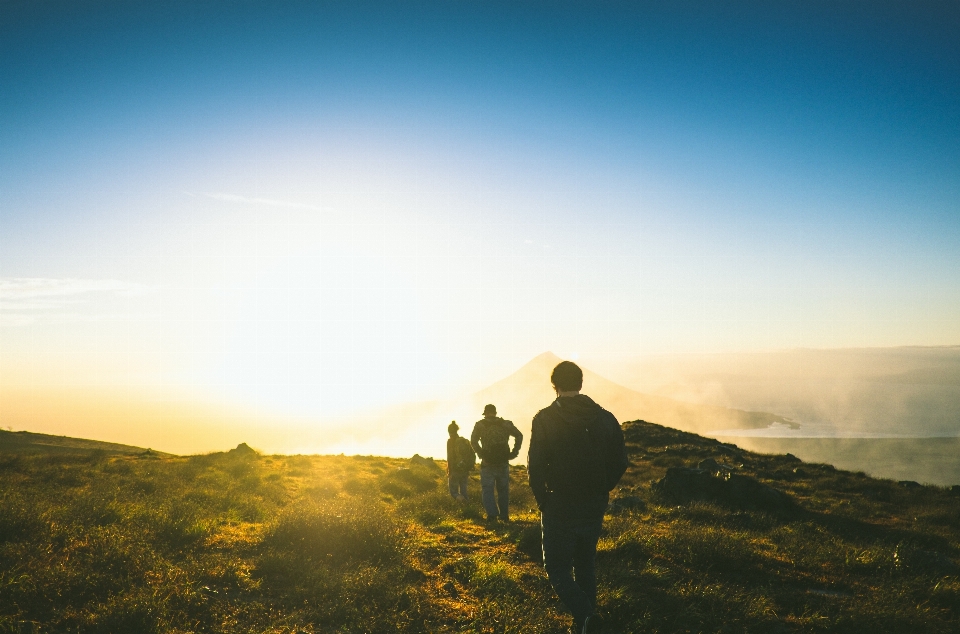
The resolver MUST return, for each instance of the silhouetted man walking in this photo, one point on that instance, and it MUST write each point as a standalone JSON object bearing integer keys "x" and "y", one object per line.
{"x": 577, "y": 456}
{"x": 491, "y": 440}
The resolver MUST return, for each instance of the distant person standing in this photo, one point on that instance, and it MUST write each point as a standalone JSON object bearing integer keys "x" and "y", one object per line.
{"x": 491, "y": 440}
{"x": 460, "y": 462}
{"x": 577, "y": 455}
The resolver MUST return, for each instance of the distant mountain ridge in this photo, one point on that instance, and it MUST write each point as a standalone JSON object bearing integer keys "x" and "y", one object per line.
{"x": 526, "y": 391}
{"x": 418, "y": 427}
{"x": 410, "y": 428}
{"x": 908, "y": 390}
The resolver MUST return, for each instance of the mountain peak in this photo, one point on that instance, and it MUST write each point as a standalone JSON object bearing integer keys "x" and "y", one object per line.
{"x": 545, "y": 358}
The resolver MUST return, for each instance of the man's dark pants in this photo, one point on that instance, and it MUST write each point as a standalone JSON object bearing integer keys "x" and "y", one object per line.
{"x": 570, "y": 548}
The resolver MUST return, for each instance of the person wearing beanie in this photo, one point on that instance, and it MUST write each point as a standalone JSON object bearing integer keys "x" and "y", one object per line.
{"x": 460, "y": 462}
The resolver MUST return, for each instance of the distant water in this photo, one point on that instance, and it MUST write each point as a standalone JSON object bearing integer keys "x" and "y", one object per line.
{"x": 814, "y": 430}
{"x": 929, "y": 460}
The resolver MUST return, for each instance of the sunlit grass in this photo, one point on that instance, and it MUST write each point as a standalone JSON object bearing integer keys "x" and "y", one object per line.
{"x": 239, "y": 542}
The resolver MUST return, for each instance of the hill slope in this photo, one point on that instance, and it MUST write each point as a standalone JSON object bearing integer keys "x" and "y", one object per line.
{"x": 238, "y": 542}
{"x": 25, "y": 441}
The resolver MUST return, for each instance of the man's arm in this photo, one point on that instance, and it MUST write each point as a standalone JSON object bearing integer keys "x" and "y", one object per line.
{"x": 616, "y": 458}
{"x": 537, "y": 464}
{"x": 475, "y": 440}
{"x": 517, "y": 442}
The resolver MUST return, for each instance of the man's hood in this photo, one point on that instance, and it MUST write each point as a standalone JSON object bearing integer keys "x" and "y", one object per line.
{"x": 577, "y": 408}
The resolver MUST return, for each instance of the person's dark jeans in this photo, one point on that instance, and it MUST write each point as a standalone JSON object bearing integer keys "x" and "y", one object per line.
{"x": 569, "y": 556}
{"x": 495, "y": 477}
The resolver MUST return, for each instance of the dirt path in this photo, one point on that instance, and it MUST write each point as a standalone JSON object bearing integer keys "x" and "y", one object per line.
{"x": 488, "y": 578}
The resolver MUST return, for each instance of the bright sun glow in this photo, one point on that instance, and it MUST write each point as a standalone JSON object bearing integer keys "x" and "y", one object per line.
{"x": 296, "y": 227}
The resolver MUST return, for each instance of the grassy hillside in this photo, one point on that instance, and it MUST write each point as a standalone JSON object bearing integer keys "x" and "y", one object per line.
{"x": 240, "y": 542}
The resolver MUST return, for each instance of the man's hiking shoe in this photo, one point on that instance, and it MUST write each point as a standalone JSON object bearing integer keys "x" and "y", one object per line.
{"x": 593, "y": 624}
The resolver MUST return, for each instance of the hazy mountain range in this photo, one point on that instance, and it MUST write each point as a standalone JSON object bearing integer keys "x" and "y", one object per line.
{"x": 905, "y": 391}
{"x": 909, "y": 392}
{"x": 885, "y": 392}
{"x": 519, "y": 397}
{"x": 838, "y": 406}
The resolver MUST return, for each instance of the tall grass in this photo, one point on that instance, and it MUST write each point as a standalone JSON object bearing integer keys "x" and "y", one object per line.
{"x": 238, "y": 542}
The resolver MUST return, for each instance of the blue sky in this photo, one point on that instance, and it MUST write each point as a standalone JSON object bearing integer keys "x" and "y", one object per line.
{"x": 228, "y": 194}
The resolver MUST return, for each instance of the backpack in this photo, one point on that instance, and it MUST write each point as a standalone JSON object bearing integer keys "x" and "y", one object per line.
{"x": 496, "y": 434}
{"x": 495, "y": 439}
{"x": 466, "y": 458}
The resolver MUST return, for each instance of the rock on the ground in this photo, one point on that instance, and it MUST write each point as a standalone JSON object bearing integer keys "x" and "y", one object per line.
{"x": 243, "y": 449}
{"x": 923, "y": 561}
{"x": 419, "y": 460}
{"x": 685, "y": 484}
{"x": 626, "y": 503}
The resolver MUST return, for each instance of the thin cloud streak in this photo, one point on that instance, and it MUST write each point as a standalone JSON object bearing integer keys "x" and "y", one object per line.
{"x": 19, "y": 288}
{"x": 24, "y": 300}
{"x": 266, "y": 202}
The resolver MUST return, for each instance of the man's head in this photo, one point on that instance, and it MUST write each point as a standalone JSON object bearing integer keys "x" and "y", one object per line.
{"x": 453, "y": 428}
{"x": 490, "y": 410}
{"x": 567, "y": 377}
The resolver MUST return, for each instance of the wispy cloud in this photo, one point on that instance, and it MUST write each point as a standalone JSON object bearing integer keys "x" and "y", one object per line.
{"x": 23, "y": 300}
{"x": 19, "y": 288}
{"x": 267, "y": 202}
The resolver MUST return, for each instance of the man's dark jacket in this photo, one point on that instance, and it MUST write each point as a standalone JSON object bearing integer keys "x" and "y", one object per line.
{"x": 577, "y": 456}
